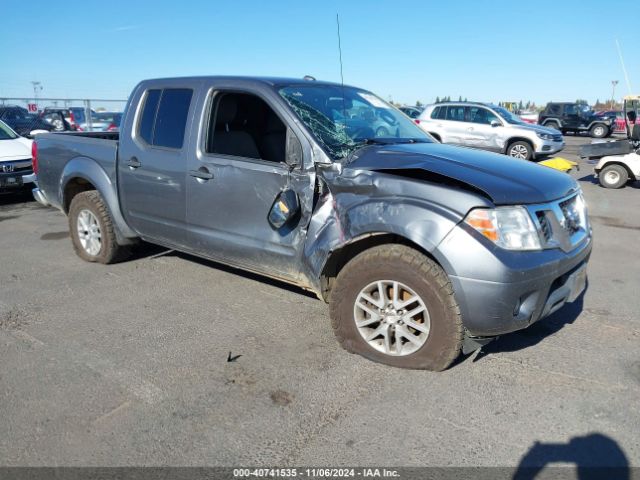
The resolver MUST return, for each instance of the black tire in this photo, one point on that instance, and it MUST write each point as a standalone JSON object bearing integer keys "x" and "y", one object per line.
{"x": 110, "y": 251}
{"x": 599, "y": 131}
{"x": 402, "y": 264}
{"x": 382, "y": 132}
{"x": 552, "y": 124}
{"x": 520, "y": 149}
{"x": 613, "y": 176}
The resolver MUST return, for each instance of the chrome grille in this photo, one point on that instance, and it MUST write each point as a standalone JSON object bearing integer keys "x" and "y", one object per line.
{"x": 562, "y": 224}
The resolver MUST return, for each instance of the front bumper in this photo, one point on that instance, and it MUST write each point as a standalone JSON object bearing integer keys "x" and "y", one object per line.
{"x": 547, "y": 147}
{"x": 501, "y": 292}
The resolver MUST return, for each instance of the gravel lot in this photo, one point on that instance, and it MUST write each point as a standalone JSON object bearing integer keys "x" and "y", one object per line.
{"x": 127, "y": 365}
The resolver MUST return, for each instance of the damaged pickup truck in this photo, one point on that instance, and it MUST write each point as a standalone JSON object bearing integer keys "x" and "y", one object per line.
{"x": 420, "y": 249}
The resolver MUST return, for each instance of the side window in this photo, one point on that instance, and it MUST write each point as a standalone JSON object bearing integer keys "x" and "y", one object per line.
{"x": 442, "y": 114}
{"x": 164, "y": 117}
{"x": 436, "y": 112}
{"x": 553, "y": 109}
{"x": 455, "y": 113}
{"x": 171, "y": 118}
{"x": 145, "y": 127}
{"x": 244, "y": 125}
{"x": 570, "y": 110}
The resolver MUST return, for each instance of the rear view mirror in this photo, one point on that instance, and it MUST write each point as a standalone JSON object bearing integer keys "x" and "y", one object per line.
{"x": 293, "y": 155}
{"x": 285, "y": 207}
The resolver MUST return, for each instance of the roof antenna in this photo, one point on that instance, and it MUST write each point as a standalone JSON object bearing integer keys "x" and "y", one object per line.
{"x": 344, "y": 108}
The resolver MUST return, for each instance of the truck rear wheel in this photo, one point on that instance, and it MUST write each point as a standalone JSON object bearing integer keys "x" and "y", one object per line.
{"x": 613, "y": 176}
{"x": 92, "y": 231}
{"x": 393, "y": 305}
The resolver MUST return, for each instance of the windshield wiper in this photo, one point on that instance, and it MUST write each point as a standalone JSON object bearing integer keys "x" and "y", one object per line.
{"x": 388, "y": 141}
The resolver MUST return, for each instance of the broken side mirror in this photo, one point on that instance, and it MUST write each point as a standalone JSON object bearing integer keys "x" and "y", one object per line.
{"x": 285, "y": 207}
{"x": 293, "y": 155}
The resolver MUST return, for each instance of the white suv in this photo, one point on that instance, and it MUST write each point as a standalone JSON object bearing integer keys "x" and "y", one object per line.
{"x": 489, "y": 127}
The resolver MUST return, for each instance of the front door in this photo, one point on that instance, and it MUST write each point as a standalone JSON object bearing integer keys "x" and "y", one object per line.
{"x": 233, "y": 181}
{"x": 481, "y": 133}
{"x": 152, "y": 167}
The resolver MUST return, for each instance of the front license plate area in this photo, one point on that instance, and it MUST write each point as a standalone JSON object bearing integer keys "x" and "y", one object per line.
{"x": 579, "y": 283}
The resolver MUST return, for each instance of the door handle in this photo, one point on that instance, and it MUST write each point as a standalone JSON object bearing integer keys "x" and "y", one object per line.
{"x": 133, "y": 163}
{"x": 201, "y": 174}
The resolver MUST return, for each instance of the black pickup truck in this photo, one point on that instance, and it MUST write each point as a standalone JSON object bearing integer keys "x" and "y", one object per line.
{"x": 575, "y": 117}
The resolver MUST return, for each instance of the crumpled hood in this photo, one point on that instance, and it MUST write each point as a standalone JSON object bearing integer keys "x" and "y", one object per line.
{"x": 506, "y": 180}
{"x": 15, "y": 149}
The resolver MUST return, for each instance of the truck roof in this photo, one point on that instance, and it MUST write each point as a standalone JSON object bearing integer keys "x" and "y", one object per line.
{"x": 271, "y": 81}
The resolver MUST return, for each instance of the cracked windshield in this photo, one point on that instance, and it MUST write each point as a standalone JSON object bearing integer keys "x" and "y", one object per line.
{"x": 344, "y": 119}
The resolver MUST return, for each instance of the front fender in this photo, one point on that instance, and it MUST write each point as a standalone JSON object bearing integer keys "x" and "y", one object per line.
{"x": 336, "y": 224}
{"x": 90, "y": 171}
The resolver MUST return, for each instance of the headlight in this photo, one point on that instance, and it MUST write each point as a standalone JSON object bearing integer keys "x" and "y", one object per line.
{"x": 545, "y": 136}
{"x": 507, "y": 227}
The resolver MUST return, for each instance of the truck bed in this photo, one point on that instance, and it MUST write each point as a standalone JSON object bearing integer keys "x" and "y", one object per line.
{"x": 64, "y": 154}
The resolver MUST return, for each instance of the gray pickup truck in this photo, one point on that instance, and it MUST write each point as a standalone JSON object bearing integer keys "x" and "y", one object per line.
{"x": 421, "y": 249}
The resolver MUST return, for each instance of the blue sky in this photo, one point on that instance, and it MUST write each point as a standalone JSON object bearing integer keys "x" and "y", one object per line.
{"x": 404, "y": 50}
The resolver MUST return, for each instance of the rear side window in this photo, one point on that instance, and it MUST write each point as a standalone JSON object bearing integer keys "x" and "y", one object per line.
{"x": 164, "y": 117}
{"x": 145, "y": 129}
{"x": 435, "y": 112}
{"x": 455, "y": 113}
{"x": 172, "y": 117}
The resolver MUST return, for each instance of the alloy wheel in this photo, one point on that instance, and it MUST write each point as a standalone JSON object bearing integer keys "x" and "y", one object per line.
{"x": 391, "y": 317}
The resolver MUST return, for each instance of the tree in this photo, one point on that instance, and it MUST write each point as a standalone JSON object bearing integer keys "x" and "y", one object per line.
{"x": 460, "y": 98}
{"x": 418, "y": 103}
{"x": 437, "y": 99}
{"x": 582, "y": 101}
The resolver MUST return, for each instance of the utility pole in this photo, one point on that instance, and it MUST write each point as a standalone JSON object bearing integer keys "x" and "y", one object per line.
{"x": 37, "y": 86}
{"x": 613, "y": 93}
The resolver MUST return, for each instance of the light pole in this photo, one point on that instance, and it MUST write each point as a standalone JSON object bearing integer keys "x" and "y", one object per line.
{"x": 613, "y": 93}
{"x": 37, "y": 86}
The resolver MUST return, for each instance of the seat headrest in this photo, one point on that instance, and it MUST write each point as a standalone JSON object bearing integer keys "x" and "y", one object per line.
{"x": 227, "y": 110}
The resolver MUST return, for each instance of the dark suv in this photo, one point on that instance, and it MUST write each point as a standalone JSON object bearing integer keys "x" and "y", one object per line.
{"x": 575, "y": 117}
{"x": 21, "y": 121}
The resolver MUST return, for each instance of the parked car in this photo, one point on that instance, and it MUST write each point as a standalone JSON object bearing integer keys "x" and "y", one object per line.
{"x": 529, "y": 117}
{"x": 619, "y": 124}
{"x": 15, "y": 159}
{"x": 110, "y": 120}
{"x": 411, "y": 112}
{"x": 21, "y": 121}
{"x": 59, "y": 118}
{"x": 489, "y": 127}
{"x": 577, "y": 118}
{"x": 421, "y": 249}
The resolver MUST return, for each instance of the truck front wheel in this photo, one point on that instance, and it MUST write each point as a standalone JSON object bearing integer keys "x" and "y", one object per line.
{"x": 393, "y": 305}
{"x": 613, "y": 176}
{"x": 92, "y": 231}
{"x": 599, "y": 131}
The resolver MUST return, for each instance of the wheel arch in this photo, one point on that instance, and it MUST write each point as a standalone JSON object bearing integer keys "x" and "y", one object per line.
{"x": 515, "y": 139}
{"x": 82, "y": 174}
{"x": 339, "y": 257}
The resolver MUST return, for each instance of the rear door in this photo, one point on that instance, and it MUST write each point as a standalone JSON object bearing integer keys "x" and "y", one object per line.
{"x": 454, "y": 125}
{"x": 152, "y": 164}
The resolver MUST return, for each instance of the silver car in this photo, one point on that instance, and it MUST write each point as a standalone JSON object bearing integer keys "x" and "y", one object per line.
{"x": 489, "y": 127}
